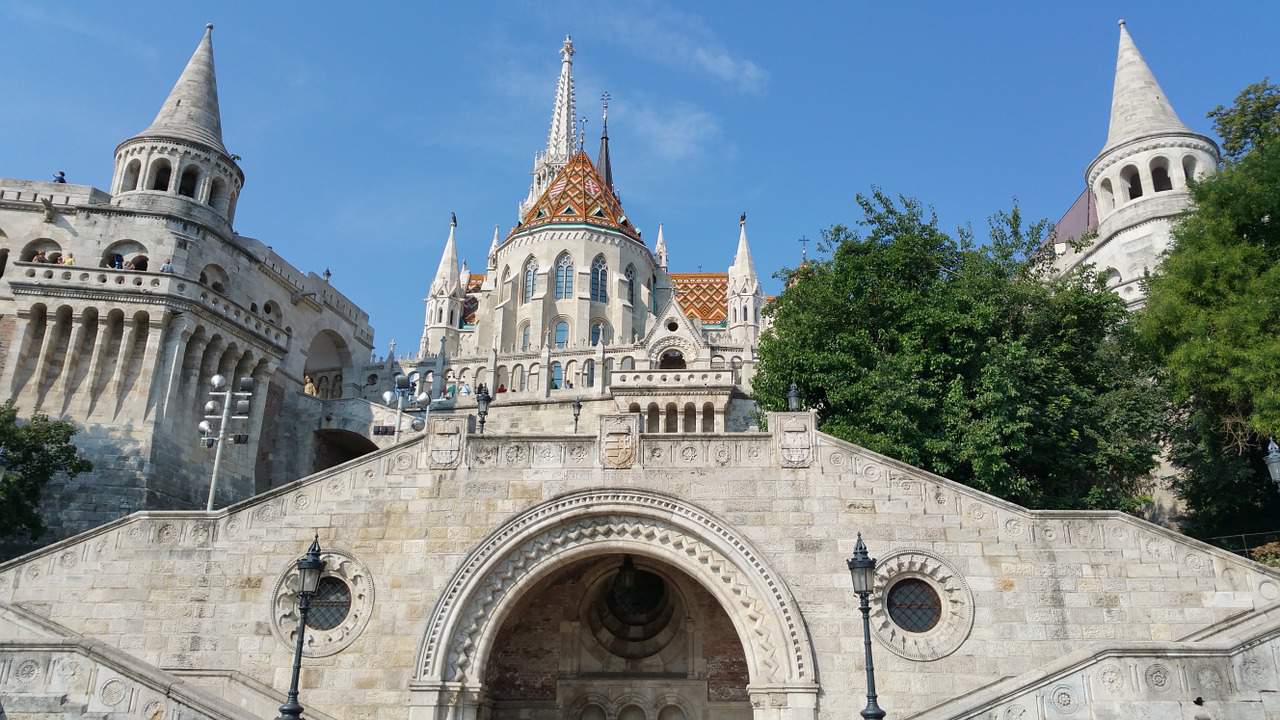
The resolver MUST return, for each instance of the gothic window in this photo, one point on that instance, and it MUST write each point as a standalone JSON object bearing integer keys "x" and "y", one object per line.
{"x": 564, "y": 277}
{"x": 557, "y": 375}
{"x": 599, "y": 333}
{"x": 653, "y": 294}
{"x": 628, "y": 363}
{"x": 330, "y": 605}
{"x": 524, "y": 337}
{"x": 631, "y": 284}
{"x": 1189, "y": 168}
{"x": 562, "y": 334}
{"x": 218, "y": 195}
{"x": 530, "y": 279}
{"x": 506, "y": 283}
{"x": 599, "y": 280}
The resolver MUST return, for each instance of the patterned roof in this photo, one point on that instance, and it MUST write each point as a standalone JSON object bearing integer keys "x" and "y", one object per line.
{"x": 578, "y": 196}
{"x": 702, "y": 295}
{"x": 471, "y": 303}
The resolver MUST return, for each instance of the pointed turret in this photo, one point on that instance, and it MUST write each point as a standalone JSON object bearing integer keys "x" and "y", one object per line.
{"x": 602, "y": 159}
{"x": 743, "y": 297}
{"x": 493, "y": 249}
{"x": 446, "y": 280}
{"x": 660, "y": 249}
{"x": 191, "y": 110}
{"x": 1139, "y": 106}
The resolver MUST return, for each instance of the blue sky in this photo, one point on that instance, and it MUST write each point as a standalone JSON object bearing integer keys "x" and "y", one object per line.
{"x": 360, "y": 131}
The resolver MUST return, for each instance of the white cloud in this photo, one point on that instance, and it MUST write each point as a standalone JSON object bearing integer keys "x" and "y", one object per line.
{"x": 671, "y": 131}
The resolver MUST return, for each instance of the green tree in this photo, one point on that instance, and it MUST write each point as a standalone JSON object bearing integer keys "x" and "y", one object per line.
{"x": 1211, "y": 321}
{"x": 970, "y": 361}
{"x": 31, "y": 453}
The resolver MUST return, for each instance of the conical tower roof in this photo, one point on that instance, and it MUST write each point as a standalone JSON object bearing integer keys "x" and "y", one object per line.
{"x": 447, "y": 279}
{"x": 660, "y": 248}
{"x": 191, "y": 110}
{"x": 1139, "y": 106}
{"x": 578, "y": 196}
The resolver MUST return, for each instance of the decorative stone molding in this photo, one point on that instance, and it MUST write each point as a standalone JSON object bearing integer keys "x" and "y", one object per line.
{"x": 470, "y": 611}
{"x": 619, "y": 440}
{"x": 321, "y": 643}
{"x": 793, "y": 438}
{"x": 953, "y": 627}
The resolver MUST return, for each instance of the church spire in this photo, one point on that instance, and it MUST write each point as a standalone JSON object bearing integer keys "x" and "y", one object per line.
{"x": 660, "y": 249}
{"x": 1139, "y": 106}
{"x": 190, "y": 112}
{"x": 493, "y": 249}
{"x": 743, "y": 268}
{"x": 446, "y": 281}
{"x": 602, "y": 159}
{"x": 560, "y": 140}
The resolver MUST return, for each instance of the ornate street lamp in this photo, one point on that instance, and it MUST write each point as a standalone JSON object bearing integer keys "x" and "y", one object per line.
{"x": 862, "y": 567}
{"x": 577, "y": 410}
{"x": 310, "y": 566}
{"x": 1272, "y": 459}
{"x": 793, "y": 398}
{"x": 482, "y": 404}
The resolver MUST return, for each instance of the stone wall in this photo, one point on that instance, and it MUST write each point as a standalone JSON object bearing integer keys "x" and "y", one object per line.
{"x": 762, "y": 521}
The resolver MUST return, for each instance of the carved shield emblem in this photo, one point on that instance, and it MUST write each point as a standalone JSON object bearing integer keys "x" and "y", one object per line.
{"x": 446, "y": 446}
{"x": 795, "y": 444}
{"x": 619, "y": 449}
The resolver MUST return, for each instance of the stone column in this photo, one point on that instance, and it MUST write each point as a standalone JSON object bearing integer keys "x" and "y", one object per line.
{"x": 20, "y": 348}
{"x": 187, "y": 374}
{"x": 51, "y": 332}
{"x": 169, "y": 376}
{"x": 128, "y": 339}
{"x": 78, "y": 329}
{"x": 102, "y": 340}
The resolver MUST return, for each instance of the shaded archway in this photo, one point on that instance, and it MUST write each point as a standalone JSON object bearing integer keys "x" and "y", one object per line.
{"x": 335, "y": 446}
{"x": 328, "y": 363}
{"x": 671, "y": 360}
{"x": 662, "y": 530}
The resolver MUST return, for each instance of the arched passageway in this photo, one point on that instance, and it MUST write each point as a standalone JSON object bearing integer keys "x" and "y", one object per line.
{"x": 334, "y": 447}
{"x": 328, "y": 365}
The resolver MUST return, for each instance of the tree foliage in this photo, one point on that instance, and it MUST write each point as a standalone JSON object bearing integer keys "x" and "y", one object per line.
{"x": 1211, "y": 321}
{"x": 970, "y": 361}
{"x": 31, "y": 453}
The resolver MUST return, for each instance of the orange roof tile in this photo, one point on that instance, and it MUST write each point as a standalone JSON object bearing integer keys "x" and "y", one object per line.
{"x": 577, "y": 195}
{"x": 702, "y": 295}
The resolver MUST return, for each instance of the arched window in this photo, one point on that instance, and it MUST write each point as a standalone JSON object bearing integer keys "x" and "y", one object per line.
{"x": 160, "y": 172}
{"x": 1132, "y": 182}
{"x": 599, "y": 333}
{"x": 524, "y": 337}
{"x": 628, "y": 363}
{"x": 131, "y": 173}
{"x": 708, "y": 418}
{"x": 1189, "y": 168}
{"x": 631, "y": 284}
{"x": 530, "y": 279}
{"x": 653, "y": 294}
{"x": 557, "y": 375}
{"x": 1160, "y": 180}
{"x": 1106, "y": 196}
{"x": 562, "y": 334}
{"x": 589, "y": 373}
{"x": 734, "y": 313}
{"x": 187, "y": 183}
{"x": 218, "y": 195}
{"x": 564, "y": 277}
{"x": 517, "y": 378}
{"x": 506, "y": 283}
{"x": 599, "y": 280}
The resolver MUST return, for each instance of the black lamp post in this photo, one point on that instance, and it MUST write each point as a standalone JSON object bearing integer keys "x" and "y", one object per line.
{"x": 310, "y": 566}
{"x": 577, "y": 410}
{"x": 1272, "y": 459}
{"x": 482, "y": 404}
{"x": 863, "y": 569}
{"x": 793, "y": 398}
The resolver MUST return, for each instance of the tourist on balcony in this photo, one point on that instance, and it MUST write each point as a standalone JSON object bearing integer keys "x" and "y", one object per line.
{"x": 167, "y": 267}
{"x": 60, "y": 177}
{"x": 67, "y": 259}
{"x": 39, "y": 257}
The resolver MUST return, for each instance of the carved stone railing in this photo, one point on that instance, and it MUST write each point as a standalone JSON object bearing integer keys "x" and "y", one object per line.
{"x": 671, "y": 379}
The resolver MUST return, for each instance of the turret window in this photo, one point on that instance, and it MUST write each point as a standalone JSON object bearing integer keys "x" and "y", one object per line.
{"x": 131, "y": 173}
{"x": 557, "y": 375}
{"x": 160, "y": 173}
{"x": 599, "y": 280}
{"x": 564, "y": 277}
{"x": 631, "y": 284}
{"x": 218, "y": 195}
{"x": 1132, "y": 182}
{"x": 530, "y": 280}
{"x": 187, "y": 184}
{"x": 1189, "y": 168}
{"x": 1106, "y": 197}
{"x": 589, "y": 373}
{"x": 1160, "y": 181}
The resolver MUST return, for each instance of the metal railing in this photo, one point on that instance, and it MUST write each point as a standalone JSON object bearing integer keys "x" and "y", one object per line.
{"x": 1244, "y": 543}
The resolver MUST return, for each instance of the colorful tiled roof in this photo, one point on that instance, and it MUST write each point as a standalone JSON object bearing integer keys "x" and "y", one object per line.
{"x": 702, "y": 295}
{"x": 471, "y": 303}
{"x": 578, "y": 196}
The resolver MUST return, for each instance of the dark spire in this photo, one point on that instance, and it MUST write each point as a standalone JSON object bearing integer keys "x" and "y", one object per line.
{"x": 602, "y": 160}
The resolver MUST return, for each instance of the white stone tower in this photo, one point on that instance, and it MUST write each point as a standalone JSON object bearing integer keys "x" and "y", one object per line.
{"x": 444, "y": 300}
{"x": 562, "y": 138}
{"x": 744, "y": 297}
{"x": 179, "y": 164}
{"x": 1139, "y": 179}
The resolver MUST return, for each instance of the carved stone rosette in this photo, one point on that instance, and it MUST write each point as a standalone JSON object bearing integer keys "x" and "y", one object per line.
{"x": 957, "y": 612}
{"x": 320, "y": 643}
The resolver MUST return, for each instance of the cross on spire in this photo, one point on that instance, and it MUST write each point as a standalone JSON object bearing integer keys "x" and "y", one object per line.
{"x": 582, "y": 130}
{"x": 804, "y": 247}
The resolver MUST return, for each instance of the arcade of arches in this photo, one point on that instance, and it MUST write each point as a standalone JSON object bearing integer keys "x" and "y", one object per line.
{"x": 614, "y": 637}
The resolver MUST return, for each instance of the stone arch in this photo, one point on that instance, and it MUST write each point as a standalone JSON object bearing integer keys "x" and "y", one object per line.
{"x": 159, "y": 175}
{"x": 517, "y": 556}
{"x": 48, "y": 246}
{"x": 132, "y": 173}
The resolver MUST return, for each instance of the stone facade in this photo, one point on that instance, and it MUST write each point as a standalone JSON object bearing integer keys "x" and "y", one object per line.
{"x": 477, "y": 570}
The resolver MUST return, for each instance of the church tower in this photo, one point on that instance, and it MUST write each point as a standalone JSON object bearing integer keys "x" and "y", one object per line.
{"x": 743, "y": 296}
{"x": 562, "y": 138}
{"x": 178, "y": 163}
{"x": 444, "y": 301}
{"x": 1139, "y": 178}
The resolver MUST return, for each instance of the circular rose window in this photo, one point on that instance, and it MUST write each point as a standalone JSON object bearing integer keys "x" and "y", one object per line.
{"x": 330, "y": 605}
{"x": 914, "y": 605}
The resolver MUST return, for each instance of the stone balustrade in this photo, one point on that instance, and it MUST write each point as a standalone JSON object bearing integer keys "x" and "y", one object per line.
{"x": 673, "y": 379}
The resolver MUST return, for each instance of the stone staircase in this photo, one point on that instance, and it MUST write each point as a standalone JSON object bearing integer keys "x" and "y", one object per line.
{"x": 1213, "y": 674}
